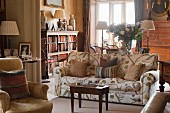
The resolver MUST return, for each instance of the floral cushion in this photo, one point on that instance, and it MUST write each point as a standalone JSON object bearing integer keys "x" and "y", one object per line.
{"x": 134, "y": 72}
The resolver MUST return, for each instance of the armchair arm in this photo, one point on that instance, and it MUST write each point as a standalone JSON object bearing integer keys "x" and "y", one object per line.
{"x": 38, "y": 90}
{"x": 58, "y": 72}
{"x": 4, "y": 101}
{"x": 148, "y": 81}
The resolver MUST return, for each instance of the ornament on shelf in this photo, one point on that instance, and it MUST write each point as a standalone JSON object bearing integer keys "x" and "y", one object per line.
{"x": 72, "y": 22}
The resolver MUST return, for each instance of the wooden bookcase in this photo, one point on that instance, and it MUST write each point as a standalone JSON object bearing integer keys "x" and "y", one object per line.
{"x": 59, "y": 45}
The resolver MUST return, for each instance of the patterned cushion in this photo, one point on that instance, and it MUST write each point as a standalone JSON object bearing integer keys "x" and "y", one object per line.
{"x": 108, "y": 63}
{"x": 78, "y": 69}
{"x": 134, "y": 72}
{"x": 106, "y": 72}
{"x": 14, "y": 83}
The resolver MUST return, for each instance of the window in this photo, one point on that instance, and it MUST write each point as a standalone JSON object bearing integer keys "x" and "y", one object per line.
{"x": 112, "y": 12}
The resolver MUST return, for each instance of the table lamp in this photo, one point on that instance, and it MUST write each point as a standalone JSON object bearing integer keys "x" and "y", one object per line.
{"x": 147, "y": 25}
{"x": 8, "y": 28}
{"x": 101, "y": 25}
{"x": 60, "y": 14}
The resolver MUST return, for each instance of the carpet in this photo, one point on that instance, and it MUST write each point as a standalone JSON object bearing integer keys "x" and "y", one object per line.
{"x": 63, "y": 105}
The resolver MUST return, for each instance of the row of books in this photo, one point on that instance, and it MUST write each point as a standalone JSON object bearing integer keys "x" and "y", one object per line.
{"x": 62, "y": 47}
{"x": 61, "y": 39}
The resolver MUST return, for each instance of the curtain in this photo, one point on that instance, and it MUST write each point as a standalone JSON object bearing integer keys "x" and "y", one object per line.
{"x": 139, "y": 16}
{"x": 86, "y": 24}
{"x": 139, "y": 10}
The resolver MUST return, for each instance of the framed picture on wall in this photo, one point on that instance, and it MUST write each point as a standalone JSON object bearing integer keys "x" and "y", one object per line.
{"x": 24, "y": 48}
{"x": 54, "y": 3}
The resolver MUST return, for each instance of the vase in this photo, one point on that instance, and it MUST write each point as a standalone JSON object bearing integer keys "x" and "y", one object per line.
{"x": 72, "y": 22}
{"x": 123, "y": 49}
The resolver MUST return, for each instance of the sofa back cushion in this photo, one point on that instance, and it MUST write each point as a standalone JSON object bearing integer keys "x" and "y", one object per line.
{"x": 125, "y": 61}
{"x": 92, "y": 59}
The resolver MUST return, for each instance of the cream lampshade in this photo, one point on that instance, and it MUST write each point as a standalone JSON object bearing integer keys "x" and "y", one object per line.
{"x": 101, "y": 25}
{"x": 147, "y": 25}
{"x": 60, "y": 14}
{"x": 8, "y": 28}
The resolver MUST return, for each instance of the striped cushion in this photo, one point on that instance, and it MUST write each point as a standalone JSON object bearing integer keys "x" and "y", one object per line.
{"x": 106, "y": 72}
{"x": 14, "y": 83}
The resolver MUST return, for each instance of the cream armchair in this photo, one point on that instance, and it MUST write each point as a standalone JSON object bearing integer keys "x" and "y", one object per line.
{"x": 37, "y": 102}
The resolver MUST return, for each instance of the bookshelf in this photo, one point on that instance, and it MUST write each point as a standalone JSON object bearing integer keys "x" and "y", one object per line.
{"x": 59, "y": 45}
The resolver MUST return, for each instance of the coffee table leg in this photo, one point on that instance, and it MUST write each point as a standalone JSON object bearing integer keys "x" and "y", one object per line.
{"x": 100, "y": 103}
{"x": 72, "y": 102}
{"x": 106, "y": 101}
{"x": 79, "y": 96}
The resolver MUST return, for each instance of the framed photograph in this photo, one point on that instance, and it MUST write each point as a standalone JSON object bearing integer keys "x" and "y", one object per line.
{"x": 24, "y": 48}
{"x": 54, "y": 3}
{"x": 70, "y": 28}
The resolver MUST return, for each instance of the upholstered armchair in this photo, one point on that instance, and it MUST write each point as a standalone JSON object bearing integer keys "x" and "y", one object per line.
{"x": 36, "y": 102}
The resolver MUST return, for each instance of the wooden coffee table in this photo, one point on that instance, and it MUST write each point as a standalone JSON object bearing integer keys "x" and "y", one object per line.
{"x": 88, "y": 89}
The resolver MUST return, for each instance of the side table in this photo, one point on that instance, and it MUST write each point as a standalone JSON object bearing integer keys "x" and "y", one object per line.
{"x": 29, "y": 61}
{"x": 89, "y": 89}
{"x": 164, "y": 74}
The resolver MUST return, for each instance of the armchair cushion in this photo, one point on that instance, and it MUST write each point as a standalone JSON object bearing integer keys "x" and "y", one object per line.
{"x": 14, "y": 83}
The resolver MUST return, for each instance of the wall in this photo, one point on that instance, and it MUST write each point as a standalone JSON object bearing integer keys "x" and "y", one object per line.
{"x": 74, "y": 7}
{"x": 27, "y": 15}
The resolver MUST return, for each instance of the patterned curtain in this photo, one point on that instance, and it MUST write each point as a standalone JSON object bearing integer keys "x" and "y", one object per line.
{"x": 139, "y": 16}
{"x": 86, "y": 24}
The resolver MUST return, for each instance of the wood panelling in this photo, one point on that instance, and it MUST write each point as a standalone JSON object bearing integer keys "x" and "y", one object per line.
{"x": 159, "y": 40}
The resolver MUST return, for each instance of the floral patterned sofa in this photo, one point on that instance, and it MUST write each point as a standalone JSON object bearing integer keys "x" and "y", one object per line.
{"x": 121, "y": 90}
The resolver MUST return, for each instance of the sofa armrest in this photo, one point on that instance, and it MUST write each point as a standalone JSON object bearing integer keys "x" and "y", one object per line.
{"x": 4, "y": 101}
{"x": 38, "y": 90}
{"x": 156, "y": 103}
{"x": 58, "y": 72}
{"x": 149, "y": 84}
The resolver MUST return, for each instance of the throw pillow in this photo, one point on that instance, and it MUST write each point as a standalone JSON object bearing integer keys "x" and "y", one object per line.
{"x": 14, "y": 83}
{"x": 108, "y": 63}
{"x": 134, "y": 72}
{"x": 78, "y": 69}
{"x": 106, "y": 72}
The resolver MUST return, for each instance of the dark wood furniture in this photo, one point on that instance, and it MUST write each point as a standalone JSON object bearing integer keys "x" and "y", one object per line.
{"x": 159, "y": 40}
{"x": 89, "y": 89}
{"x": 164, "y": 76}
{"x": 44, "y": 57}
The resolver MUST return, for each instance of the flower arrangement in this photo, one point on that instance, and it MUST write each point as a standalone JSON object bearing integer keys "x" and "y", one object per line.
{"x": 126, "y": 33}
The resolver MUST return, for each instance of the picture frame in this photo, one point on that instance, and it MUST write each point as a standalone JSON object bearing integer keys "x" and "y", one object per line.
{"x": 70, "y": 28}
{"x": 24, "y": 48}
{"x": 54, "y": 3}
